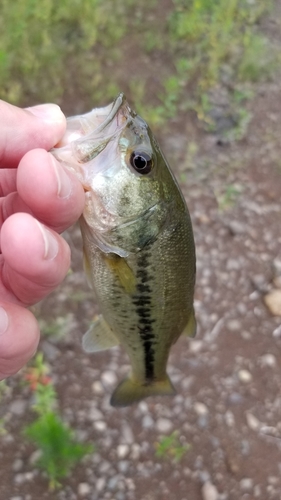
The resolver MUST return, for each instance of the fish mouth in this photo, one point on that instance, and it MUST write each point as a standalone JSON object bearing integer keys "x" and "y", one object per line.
{"x": 88, "y": 135}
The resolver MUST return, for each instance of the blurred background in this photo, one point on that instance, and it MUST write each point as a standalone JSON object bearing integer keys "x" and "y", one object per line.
{"x": 205, "y": 75}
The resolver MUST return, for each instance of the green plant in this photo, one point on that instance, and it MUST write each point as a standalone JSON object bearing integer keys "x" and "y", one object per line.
{"x": 55, "y": 440}
{"x": 171, "y": 447}
{"x": 61, "y": 41}
{"x": 229, "y": 196}
{"x": 59, "y": 450}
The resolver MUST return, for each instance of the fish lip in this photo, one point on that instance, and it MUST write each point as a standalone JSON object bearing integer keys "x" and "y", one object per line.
{"x": 116, "y": 107}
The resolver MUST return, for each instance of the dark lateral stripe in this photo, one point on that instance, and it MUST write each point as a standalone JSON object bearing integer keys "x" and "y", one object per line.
{"x": 142, "y": 301}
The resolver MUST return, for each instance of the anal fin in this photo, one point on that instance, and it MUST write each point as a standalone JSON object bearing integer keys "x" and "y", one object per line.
{"x": 190, "y": 329}
{"x": 99, "y": 337}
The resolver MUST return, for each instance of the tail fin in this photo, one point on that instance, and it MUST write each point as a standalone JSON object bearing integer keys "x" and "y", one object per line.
{"x": 130, "y": 391}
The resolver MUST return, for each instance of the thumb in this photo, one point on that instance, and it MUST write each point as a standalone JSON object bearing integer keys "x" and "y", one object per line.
{"x": 21, "y": 130}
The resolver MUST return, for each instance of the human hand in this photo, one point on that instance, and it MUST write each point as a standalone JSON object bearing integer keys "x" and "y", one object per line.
{"x": 39, "y": 199}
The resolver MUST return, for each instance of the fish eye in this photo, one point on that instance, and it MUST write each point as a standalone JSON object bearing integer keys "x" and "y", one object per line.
{"x": 141, "y": 162}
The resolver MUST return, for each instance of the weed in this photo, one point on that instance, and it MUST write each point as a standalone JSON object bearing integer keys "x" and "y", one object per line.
{"x": 171, "y": 447}
{"x": 2, "y": 427}
{"x": 59, "y": 450}
{"x": 228, "y": 198}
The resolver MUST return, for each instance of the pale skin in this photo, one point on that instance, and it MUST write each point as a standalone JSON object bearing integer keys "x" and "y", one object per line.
{"x": 39, "y": 199}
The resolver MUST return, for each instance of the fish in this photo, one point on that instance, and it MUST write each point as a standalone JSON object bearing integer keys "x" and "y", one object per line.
{"x": 138, "y": 244}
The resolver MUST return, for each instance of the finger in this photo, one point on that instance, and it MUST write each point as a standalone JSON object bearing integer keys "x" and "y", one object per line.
{"x": 25, "y": 129}
{"x": 35, "y": 259}
{"x": 8, "y": 181}
{"x": 53, "y": 194}
{"x": 19, "y": 337}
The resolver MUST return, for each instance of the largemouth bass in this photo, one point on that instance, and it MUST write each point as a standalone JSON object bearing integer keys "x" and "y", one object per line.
{"x": 139, "y": 252}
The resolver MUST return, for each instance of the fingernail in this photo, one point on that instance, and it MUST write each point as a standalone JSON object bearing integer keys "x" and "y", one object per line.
{"x": 63, "y": 181}
{"x": 4, "y": 321}
{"x": 50, "y": 113}
{"x": 50, "y": 242}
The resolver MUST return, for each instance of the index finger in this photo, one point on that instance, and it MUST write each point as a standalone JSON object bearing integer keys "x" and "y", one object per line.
{"x": 21, "y": 130}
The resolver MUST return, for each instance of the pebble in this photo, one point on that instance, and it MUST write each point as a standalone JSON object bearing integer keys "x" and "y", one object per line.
{"x": 100, "y": 425}
{"x": 245, "y": 376}
{"x": 268, "y": 360}
{"x": 51, "y": 352}
{"x": 84, "y": 489}
{"x": 253, "y": 423}
{"x": 35, "y": 456}
{"x": 195, "y": 346}
{"x": 147, "y": 422}
{"x": 95, "y": 414}
{"x": 127, "y": 434}
{"x": 97, "y": 387}
{"x": 246, "y": 484}
{"x": 108, "y": 378}
{"x": 229, "y": 418}
{"x": 123, "y": 466}
{"x": 17, "y": 465}
{"x": 18, "y": 407}
{"x": 16, "y": 498}
{"x": 273, "y": 302}
{"x": 164, "y": 425}
{"x": 100, "y": 484}
{"x": 209, "y": 491}
{"x": 201, "y": 409}
{"x": 122, "y": 450}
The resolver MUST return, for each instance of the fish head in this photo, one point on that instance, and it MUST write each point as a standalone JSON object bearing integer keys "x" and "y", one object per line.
{"x": 124, "y": 174}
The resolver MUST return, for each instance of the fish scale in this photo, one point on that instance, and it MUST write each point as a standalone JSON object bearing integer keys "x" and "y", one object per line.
{"x": 138, "y": 245}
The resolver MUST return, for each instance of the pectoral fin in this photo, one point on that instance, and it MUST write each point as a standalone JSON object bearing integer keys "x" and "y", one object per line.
{"x": 122, "y": 270}
{"x": 190, "y": 329}
{"x": 99, "y": 337}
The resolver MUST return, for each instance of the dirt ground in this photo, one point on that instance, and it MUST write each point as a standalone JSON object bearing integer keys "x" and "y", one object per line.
{"x": 228, "y": 407}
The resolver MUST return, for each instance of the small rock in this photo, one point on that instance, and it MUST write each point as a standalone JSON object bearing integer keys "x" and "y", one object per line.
{"x": 100, "y": 484}
{"x": 122, "y": 450}
{"x": 277, "y": 332}
{"x": 51, "y": 352}
{"x": 201, "y": 409}
{"x": 35, "y": 456}
{"x": 164, "y": 425}
{"x": 97, "y": 387}
{"x": 195, "y": 346}
{"x": 253, "y": 423}
{"x": 136, "y": 451}
{"x": 245, "y": 376}
{"x": 257, "y": 491}
{"x": 19, "y": 479}
{"x": 100, "y": 425}
{"x": 18, "y": 407}
{"x": 143, "y": 407}
{"x": 108, "y": 378}
{"x": 123, "y": 466}
{"x": 112, "y": 483}
{"x": 277, "y": 267}
{"x": 209, "y": 491}
{"x": 268, "y": 360}
{"x": 16, "y": 498}
{"x": 127, "y": 434}
{"x": 273, "y": 302}
{"x": 17, "y": 465}
{"x": 237, "y": 227}
{"x": 95, "y": 414}
{"x": 246, "y": 484}
{"x": 84, "y": 489}
{"x": 147, "y": 422}
{"x": 229, "y": 418}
